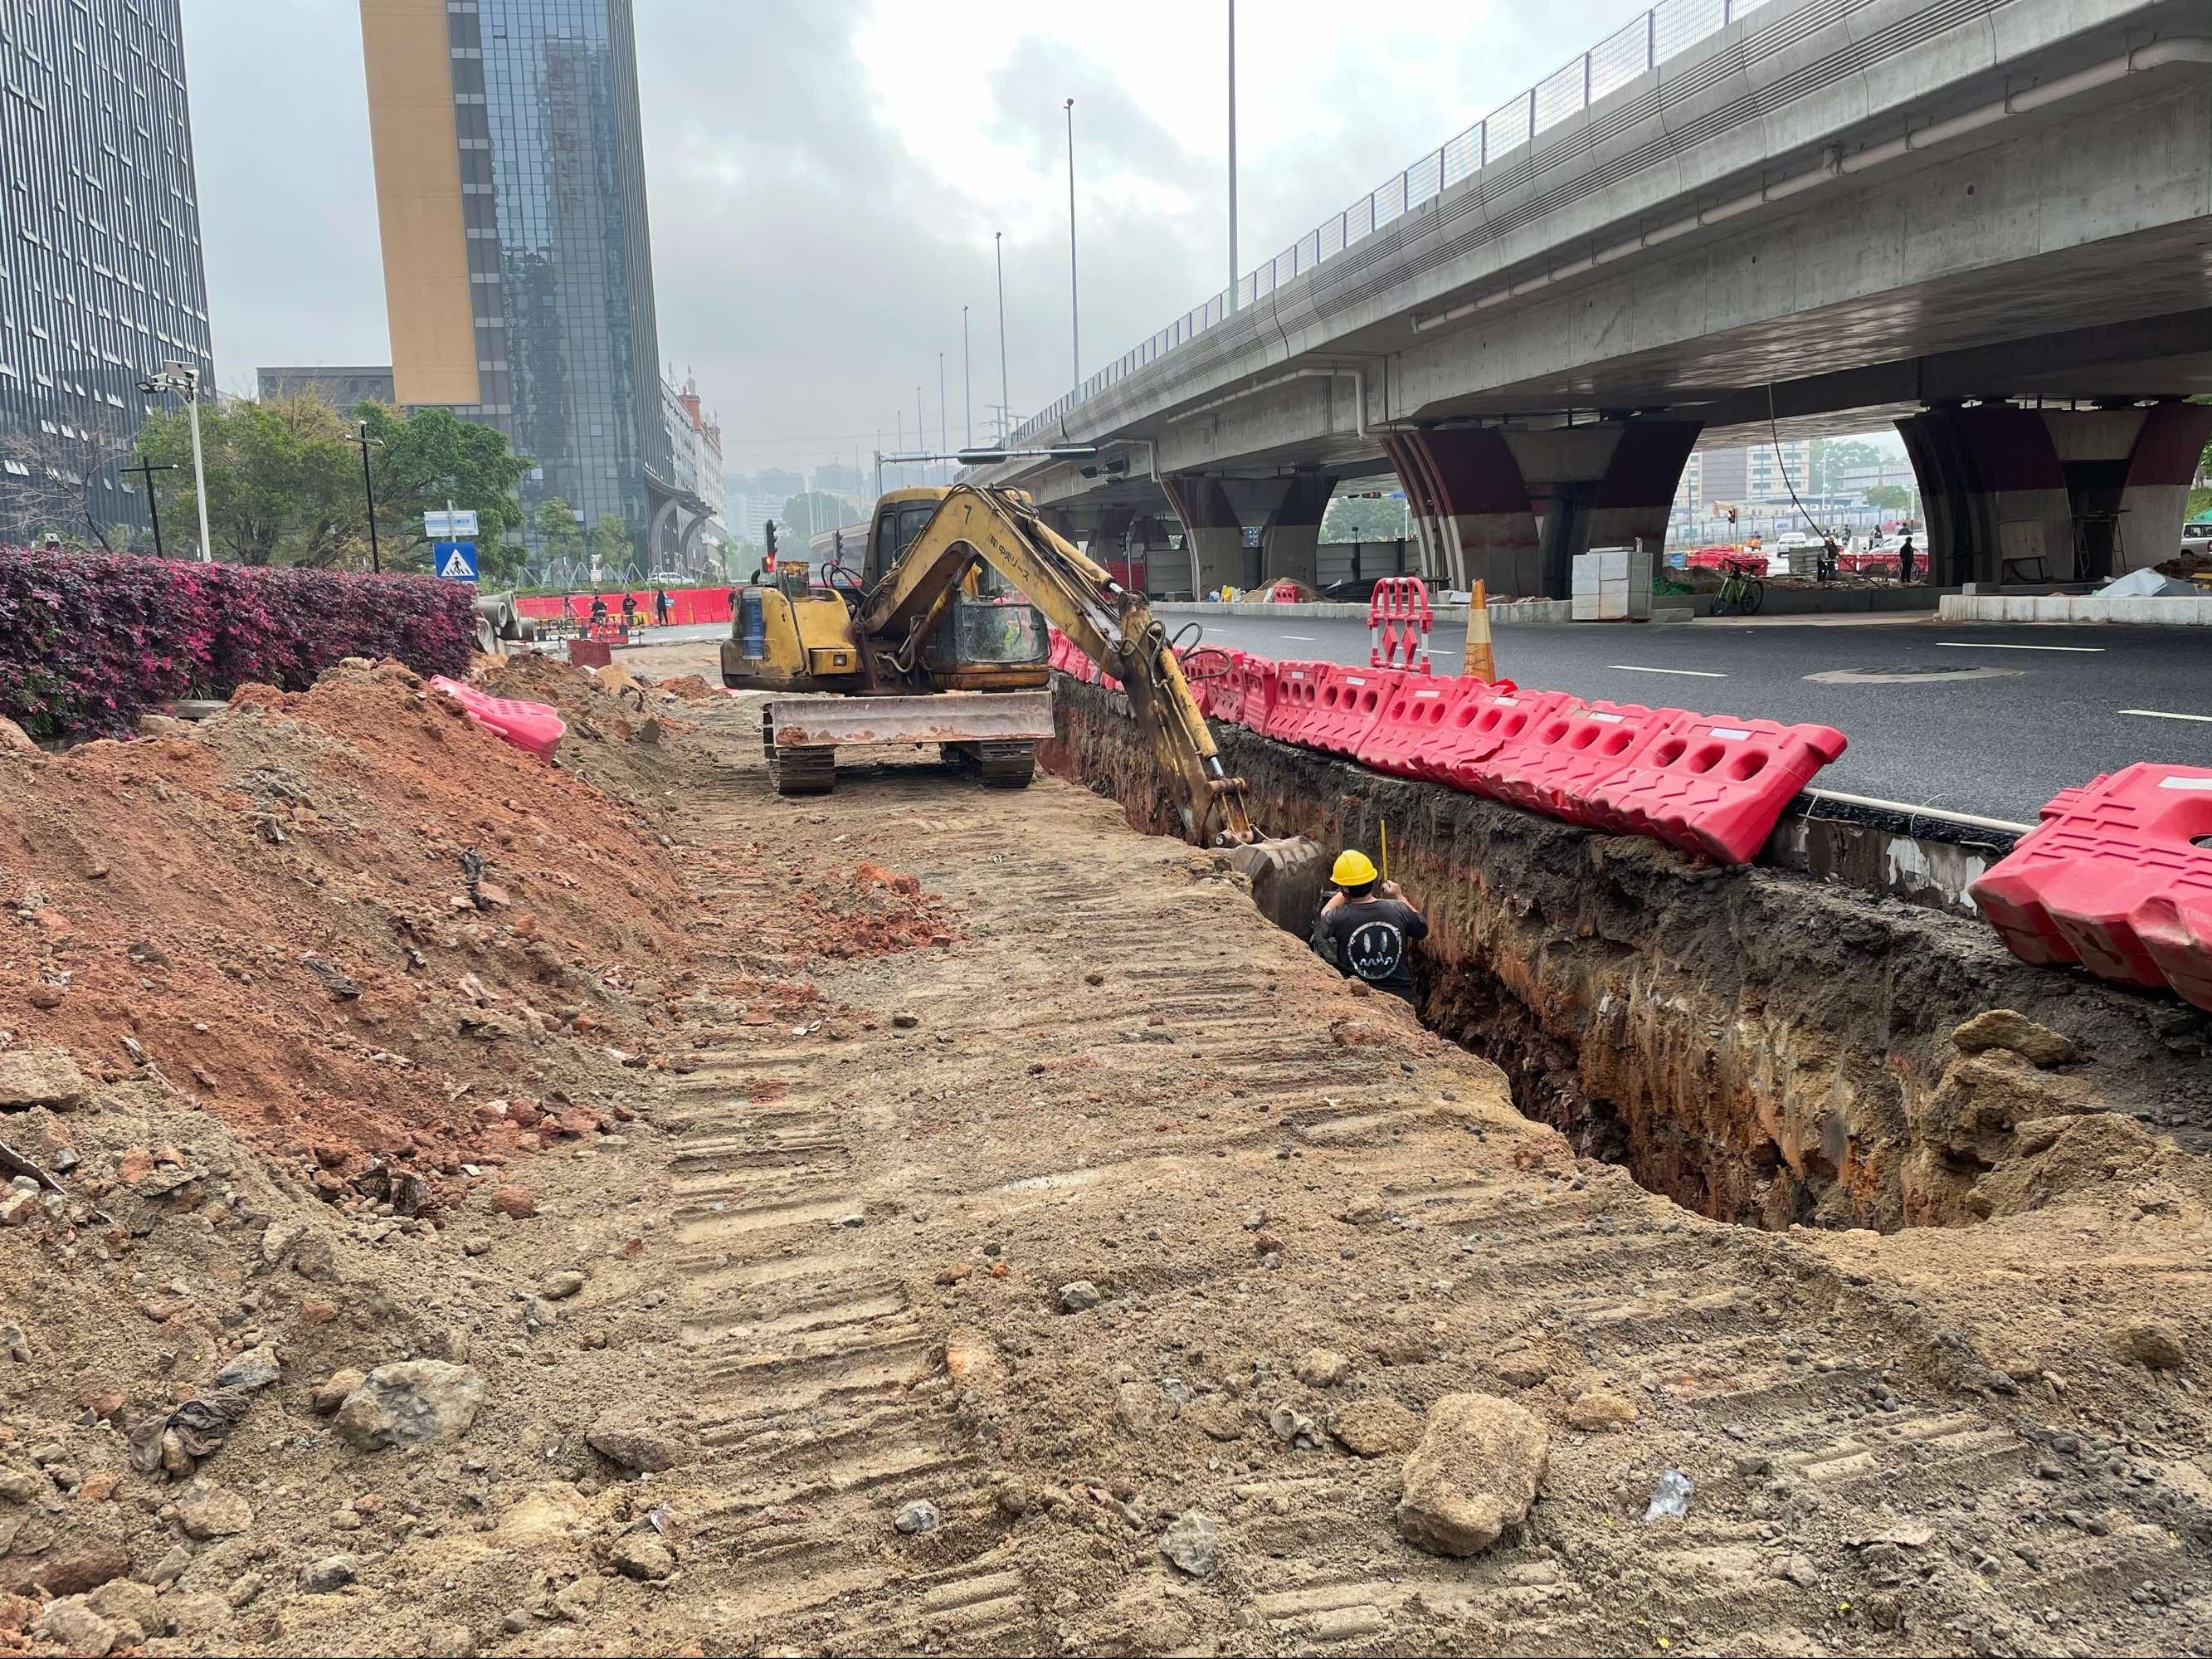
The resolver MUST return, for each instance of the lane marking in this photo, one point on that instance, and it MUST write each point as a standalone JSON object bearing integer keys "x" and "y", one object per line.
{"x": 1694, "y": 673}
{"x": 2161, "y": 715}
{"x": 1303, "y": 639}
{"x": 1993, "y": 645}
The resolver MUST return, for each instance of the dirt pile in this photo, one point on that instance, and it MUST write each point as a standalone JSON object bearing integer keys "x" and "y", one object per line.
{"x": 345, "y": 921}
{"x": 623, "y": 734}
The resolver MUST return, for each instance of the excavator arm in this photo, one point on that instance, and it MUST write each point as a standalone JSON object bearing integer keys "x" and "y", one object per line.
{"x": 1112, "y": 626}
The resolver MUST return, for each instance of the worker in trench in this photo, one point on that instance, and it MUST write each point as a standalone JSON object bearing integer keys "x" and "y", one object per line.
{"x": 1367, "y": 930}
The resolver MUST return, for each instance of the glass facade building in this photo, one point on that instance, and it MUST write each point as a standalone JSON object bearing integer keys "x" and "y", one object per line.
{"x": 560, "y": 349}
{"x": 102, "y": 280}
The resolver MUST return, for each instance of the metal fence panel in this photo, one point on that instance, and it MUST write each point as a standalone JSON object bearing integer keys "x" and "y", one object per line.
{"x": 1424, "y": 177}
{"x": 1614, "y": 63}
{"x": 1508, "y": 126}
{"x": 1677, "y": 24}
{"x": 1558, "y": 95}
{"x": 1462, "y": 156}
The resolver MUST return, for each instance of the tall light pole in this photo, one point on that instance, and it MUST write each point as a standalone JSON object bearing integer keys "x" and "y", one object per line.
{"x": 1074, "y": 311}
{"x": 1005, "y": 400}
{"x": 1232, "y": 304}
{"x": 185, "y": 379}
{"x": 944, "y": 426}
{"x": 368, "y": 489}
{"x": 967, "y": 383}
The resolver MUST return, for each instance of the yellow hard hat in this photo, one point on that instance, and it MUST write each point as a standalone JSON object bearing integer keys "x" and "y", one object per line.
{"x": 1353, "y": 868}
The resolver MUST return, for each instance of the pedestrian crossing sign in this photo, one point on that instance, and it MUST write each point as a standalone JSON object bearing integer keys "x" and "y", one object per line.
{"x": 454, "y": 561}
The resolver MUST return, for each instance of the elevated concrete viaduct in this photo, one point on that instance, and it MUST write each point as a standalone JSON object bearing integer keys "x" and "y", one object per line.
{"x": 1988, "y": 220}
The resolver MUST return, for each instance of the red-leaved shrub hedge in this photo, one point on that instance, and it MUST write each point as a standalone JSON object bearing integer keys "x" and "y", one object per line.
{"x": 89, "y": 640}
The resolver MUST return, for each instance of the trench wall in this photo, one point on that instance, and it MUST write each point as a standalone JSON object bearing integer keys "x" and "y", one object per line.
{"x": 1761, "y": 1045}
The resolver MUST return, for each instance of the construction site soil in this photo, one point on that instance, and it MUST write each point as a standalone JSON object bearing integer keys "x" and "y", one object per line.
{"x": 481, "y": 1208}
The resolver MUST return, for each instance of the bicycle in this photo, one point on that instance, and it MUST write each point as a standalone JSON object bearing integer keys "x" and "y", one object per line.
{"x": 1739, "y": 593}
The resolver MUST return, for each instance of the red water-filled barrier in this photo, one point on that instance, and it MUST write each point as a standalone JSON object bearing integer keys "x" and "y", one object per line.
{"x": 1714, "y": 785}
{"x": 2117, "y": 876}
{"x": 1557, "y": 763}
{"x": 1211, "y": 670}
{"x": 1254, "y": 697}
{"x": 1297, "y": 693}
{"x": 528, "y": 726}
{"x": 1347, "y": 708}
{"x": 1412, "y": 716}
{"x": 1480, "y": 725}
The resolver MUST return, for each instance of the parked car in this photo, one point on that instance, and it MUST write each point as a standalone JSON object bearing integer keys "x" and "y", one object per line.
{"x": 2197, "y": 536}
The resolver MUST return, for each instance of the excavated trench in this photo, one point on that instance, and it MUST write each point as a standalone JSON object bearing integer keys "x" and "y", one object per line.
{"x": 1761, "y": 1045}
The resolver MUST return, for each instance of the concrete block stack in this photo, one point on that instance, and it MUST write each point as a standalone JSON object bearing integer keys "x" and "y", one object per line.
{"x": 1613, "y": 583}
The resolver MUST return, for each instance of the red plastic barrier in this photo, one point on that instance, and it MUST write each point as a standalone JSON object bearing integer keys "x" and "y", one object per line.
{"x": 1398, "y": 624}
{"x": 528, "y": 726}
{"x": 1255, "y": 698}
{"x": 1715, "y": 785}
{"x": 1478, "y": 726}
{"x": 1211, "y": 670}
{"x": 1284, "y": 592}
{"x": 1412, "y": 714}
{"x": 1297, "y": 697}
{"x": 1557, "y": 765}
{"x": 1348, "y": 702}
{"x": 2117, "y": 878}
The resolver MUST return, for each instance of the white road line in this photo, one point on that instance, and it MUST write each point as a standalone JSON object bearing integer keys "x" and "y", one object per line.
{"x": 1694, "y": 673}
{"x": 1993, "y": 645}
{"x": 2161, "y": 715}
{"x": 1303, "y": 639}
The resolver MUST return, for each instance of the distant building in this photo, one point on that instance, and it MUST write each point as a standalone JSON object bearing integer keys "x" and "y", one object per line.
{"x": 694, "y": 448}
{"x": 518, "y": 265}
{"x": 341, "y": 388}
{"x": 101, "y": 281}
{"x": 746, "y": 515}
{"x": 832, "y": 479}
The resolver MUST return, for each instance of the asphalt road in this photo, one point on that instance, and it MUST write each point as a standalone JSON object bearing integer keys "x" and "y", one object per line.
{"x": 2012, "y": 715}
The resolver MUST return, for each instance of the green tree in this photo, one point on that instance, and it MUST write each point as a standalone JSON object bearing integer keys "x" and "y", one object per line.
{"x": 424, "y": 461}
{"x": 1890, "y": 498}
{"x": 1364, "y": 519}
{"x": 559, "y": 535}
{"x": 284, "y": 486}
{"x": 610, "y": 542}
{"x": 806, "y": 515}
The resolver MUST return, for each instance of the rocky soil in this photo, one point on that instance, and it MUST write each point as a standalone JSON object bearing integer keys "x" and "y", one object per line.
{"x": 987, "y": 1233}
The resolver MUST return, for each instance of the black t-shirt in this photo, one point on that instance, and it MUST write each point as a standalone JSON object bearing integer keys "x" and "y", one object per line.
{"x": 1373, "y": 938}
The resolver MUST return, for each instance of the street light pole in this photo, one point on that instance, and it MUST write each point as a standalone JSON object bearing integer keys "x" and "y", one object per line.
{"x": 369, "y": 490}
{"x": 1074, "y": 311}
{"x": 153, "y": 506}
{"x": 1006, "y": 399}
{"x": 967, "y": 382}
{"x": 944, "y": 426}
{"x": 185, "y": 378}
{"x": 1231, "y": 303}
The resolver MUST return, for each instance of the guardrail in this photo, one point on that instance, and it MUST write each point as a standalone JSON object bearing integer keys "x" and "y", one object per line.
{"x": 1668, "y": 28}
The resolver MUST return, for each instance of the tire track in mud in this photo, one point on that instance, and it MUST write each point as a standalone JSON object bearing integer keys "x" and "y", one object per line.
{"x": 1122, "y": 1074}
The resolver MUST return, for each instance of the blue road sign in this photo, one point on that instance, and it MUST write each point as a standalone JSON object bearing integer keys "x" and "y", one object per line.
{"x": 455, "y": 560}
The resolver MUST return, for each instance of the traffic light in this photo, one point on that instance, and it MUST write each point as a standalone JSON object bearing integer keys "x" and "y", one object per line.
{"x": 771, "y": 540}
{"x": 768, "y": 531}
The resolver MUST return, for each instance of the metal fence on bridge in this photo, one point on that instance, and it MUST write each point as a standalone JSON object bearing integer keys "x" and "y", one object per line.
{"x": 1668, "y": 28}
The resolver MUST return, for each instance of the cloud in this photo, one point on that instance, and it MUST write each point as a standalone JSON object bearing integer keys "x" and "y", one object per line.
{"x": 825, "y": 178}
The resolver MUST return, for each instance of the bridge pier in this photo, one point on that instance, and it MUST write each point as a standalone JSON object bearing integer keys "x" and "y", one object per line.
{"x": 2057, "y": 495}
{"x": 1511, "y": 509}
{"x": 1290, "y": 541}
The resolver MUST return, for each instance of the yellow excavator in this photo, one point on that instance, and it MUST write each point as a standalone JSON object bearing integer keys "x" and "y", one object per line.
{"x": 936, "y": 633}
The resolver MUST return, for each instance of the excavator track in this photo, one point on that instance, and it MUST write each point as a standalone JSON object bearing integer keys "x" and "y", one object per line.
{"x": 996, "y": 765}
{"x": 810, "y": 771}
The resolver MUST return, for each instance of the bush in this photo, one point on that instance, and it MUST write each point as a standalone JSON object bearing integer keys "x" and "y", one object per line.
{"x": 87, "y": 642}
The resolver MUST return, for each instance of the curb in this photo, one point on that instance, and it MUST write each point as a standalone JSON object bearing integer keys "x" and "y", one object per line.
{"x": 2163, "y": 610}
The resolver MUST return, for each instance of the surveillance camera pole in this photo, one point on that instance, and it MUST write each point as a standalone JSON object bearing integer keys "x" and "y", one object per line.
{"x": 153, "y": 506}
{"x": 368, "y": 489}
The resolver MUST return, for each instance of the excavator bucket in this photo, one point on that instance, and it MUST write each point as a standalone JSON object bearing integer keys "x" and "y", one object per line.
{"x": 1286, "y": 876}
{"x": 935, "y": 717}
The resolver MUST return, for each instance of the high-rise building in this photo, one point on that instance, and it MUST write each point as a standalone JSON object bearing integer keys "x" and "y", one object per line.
{"x": 695, "y": 446}
{"x": 101, "y": 281}
{"x": 341, "y": 388}
{"x": 518, "y": 268}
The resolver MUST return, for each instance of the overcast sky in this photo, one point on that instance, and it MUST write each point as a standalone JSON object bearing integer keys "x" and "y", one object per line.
{"x": 825, "y": 176}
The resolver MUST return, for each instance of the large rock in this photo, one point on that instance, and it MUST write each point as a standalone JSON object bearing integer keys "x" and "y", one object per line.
{"x": 411, "y": 1403}
{"x": 633, "y": 1445}
{"x": 207, "y": 1511}
{"x": 41, "y": 1076}
{"x": 1476, "y": 1472}
{"x": 2007, "y": 1028}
